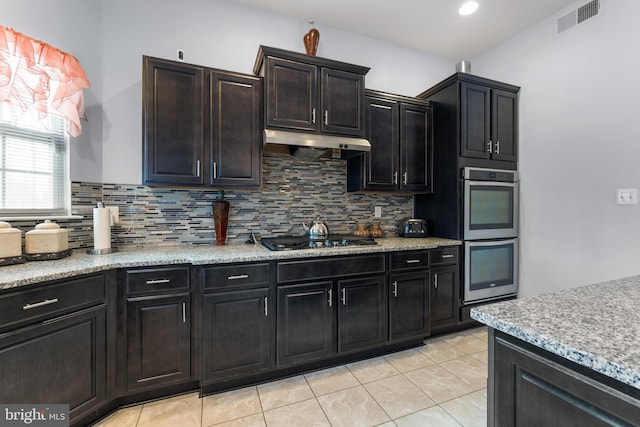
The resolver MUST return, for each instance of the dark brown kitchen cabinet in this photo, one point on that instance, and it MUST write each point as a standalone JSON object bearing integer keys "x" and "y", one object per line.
{"x": 201, "y": 126}
{"x": 401, "y": 159}
{"x": 238, "y": 314}
{"x": 236, "y": 129}
{"x": 475, "y": 122}
{"x": 173, "y": 126}
{"x": 408, "y": 293}
{"x": 158, "y": 328}
{"x": 362, "y": 320}
{"x": 445, "y": 289}
{"x": 311, "y": 94}
{"x": 306, "y": 322}
{"x": 56, "y": 347}
{"x": 488, "y": 122}
{"x": 531, "y": 387}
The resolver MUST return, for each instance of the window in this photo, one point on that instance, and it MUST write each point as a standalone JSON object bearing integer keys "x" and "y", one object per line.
{"x": 33, "y": 167}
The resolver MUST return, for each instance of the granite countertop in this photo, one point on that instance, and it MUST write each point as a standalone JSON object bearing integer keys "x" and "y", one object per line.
{"x": 596, "y": 326}
{"x": 82, "y": 263}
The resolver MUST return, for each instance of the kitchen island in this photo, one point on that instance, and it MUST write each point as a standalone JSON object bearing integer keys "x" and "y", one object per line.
{"x": 566, "y": 358}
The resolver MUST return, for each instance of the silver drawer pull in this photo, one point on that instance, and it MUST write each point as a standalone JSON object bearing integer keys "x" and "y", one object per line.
{"x": 158, "y": 281}
{"x": 239, "y": 276}
{"x": 413, "y": 261}
{"x": 447, "y": 256}
{"x": 39, "y": 304}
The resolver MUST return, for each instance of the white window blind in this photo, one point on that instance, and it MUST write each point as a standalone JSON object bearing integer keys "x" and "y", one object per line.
{"x": 33, "y": 167}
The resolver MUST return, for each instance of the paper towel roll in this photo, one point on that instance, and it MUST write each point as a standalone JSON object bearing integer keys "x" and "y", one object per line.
{"x": 101, "y": 228}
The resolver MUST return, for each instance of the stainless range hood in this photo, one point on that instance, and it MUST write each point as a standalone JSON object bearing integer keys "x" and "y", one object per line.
{"x": 311, "y": 145}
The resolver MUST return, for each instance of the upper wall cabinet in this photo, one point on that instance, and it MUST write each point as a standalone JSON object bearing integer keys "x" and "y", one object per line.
{"x": 310, "y": 94}
{"x": 479, "y": 116}
{"x": 399, "y": 130}
{"x": 200, "y": 126}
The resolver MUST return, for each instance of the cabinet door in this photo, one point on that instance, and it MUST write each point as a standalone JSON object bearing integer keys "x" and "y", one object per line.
{"x": 475, "y": 110}
{"x": 59, "y": 361}
{"x": 408, "y": 305}
{"x": 291, "y": 94}
{"x": 306, "y": 325}
{"x": 504, "y": 129}
{"x": 380, "y": 166}
{"x": 172, "y": 122}
{"x": 158, "y": 341}
{"x": 342, "y": 102}
{"x": 236, "y": 129}
{"x": 444, "y": 296}
{"x": 361, "y": 313}
{"x": 236, "y": 333}
{"x": 415, "y": 148}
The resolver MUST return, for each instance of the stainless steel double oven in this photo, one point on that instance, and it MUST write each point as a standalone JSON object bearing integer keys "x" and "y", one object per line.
{"x": 490, "y": 227}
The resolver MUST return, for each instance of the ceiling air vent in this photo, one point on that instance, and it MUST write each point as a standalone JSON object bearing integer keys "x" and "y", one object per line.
{"x": 578, "y": 16}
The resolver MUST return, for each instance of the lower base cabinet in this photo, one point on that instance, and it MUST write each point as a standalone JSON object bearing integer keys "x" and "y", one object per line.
{"x": 305, "y": 323}
{"x": 529, "y": 387}
{"x": 408, "y": 305}
{"x": 236, "y": 333}
{"x": 444, "y": 305}
{"x": 362, "y": 320}
{"x": 58, "y": 361}
{"x": 158, "y": 341}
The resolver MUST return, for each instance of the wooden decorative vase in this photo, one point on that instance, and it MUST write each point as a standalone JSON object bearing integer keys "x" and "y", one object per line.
{"x": 221, "y": 218}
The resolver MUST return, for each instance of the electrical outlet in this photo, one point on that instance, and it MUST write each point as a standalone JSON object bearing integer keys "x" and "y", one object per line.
{"x": 377, "y": 212}
{"x": 114, "y": 212}
{"x": 627, "y": 196}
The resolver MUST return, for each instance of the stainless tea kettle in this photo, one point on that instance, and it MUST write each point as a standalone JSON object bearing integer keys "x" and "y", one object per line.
{"x": 317, "y": 229}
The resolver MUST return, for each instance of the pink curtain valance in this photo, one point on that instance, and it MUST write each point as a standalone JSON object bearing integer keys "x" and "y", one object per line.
{"x": 38, "y": 78}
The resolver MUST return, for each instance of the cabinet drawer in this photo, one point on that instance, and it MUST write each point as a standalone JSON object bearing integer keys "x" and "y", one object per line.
{"x": 52, "y": 300}
{"x": 409, "y": 260}
{"x": 442, "y": 256}
{"x": 292, "y": 271}
{"x": 236, "y": 275}
{"x": 153, "y": 280}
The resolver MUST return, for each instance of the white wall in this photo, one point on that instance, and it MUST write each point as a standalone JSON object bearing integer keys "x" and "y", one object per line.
{"x": 226, "y": 35}
{"x": 579, "y": 141}
{"x": 74, "y": 26}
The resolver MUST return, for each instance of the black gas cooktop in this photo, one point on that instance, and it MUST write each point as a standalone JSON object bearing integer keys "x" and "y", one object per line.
{"x": 288, "y": 243}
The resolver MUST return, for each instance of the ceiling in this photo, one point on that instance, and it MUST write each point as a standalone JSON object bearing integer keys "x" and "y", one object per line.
{"x": 431, "y": 26}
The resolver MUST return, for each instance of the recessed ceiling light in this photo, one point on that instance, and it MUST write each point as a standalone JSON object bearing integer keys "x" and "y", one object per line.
{"x": 468, "y": 8}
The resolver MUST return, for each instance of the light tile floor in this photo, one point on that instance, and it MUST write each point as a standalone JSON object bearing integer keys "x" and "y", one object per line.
{"x": 442, "y": 383}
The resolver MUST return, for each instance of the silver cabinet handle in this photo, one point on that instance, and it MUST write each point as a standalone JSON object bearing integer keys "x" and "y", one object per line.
{"x": 489, "y": 147}
{"x": 395, "y": 177}
{"x": 497, "y": 147}
{"x": 395, "y": 289}
{"x": 404, "y": 178}
{"x": 435, "y": 280}
{"x": 266, "y": 306}
{"x": 313, "y": 116}
{"x": 184, "y": 312}
{"x": 238, "y": 276}
{"x": 447, "y": 256}
{"x": 158, "y": 281}
{"x": 330, "y": 297}
{"x": 198, "y": 168}
{"x": 39, "y": 304}
{"x": 413, "y": 261}
{"x": 344, "y": 296}
{"x": 215, "y": 170}
{"x": 326, "y": 117}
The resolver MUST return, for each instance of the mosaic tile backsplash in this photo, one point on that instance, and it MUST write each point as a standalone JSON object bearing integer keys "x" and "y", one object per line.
{"x": 293, "y": 191}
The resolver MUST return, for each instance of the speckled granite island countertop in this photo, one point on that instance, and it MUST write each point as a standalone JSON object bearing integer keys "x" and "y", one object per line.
{"x": 81, "y": 263}
{"x": 596, "y": 326}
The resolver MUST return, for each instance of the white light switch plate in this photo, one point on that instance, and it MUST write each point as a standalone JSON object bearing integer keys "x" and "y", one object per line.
{"x": 114, "y": 211}
{"x": 627, "y": 196}
{"x": 377, "y": 212}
